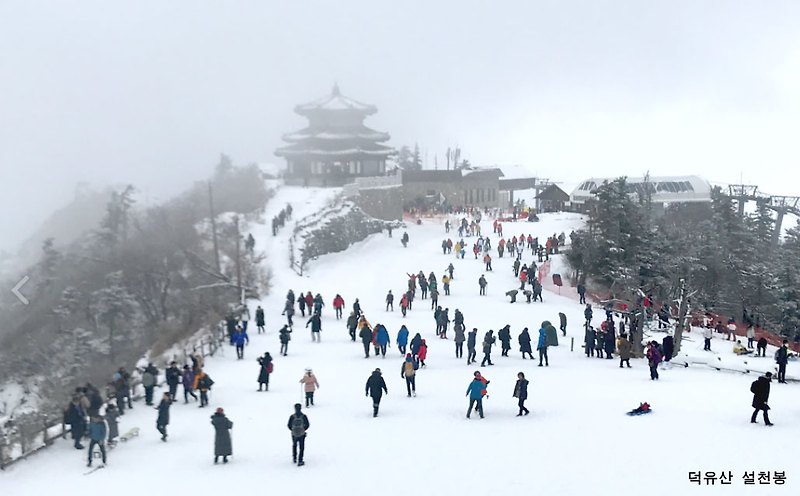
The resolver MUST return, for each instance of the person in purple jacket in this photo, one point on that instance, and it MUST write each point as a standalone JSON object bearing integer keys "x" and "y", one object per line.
{"x": 188, "y": 384}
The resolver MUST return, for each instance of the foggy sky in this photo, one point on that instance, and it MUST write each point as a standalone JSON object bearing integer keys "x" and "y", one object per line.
{"x": 150, "y": 92}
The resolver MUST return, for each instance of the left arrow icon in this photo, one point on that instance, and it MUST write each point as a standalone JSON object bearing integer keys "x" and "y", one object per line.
{"x": 16, "y": 290}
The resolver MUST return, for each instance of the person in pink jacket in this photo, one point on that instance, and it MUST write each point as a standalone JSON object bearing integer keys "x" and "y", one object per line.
{"x": 310, "y": 384}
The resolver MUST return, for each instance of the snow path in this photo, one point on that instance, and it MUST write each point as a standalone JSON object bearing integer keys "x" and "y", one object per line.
{"x": 576, "y": 440}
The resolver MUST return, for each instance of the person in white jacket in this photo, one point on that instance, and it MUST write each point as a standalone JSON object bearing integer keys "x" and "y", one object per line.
{"x": 707, "y": 333}
{"x": 751, "y": 335}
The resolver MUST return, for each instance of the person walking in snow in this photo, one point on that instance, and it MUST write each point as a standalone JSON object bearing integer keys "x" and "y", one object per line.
{"x": 402, "y": 339}
{"x": 284, "y": 336}
{"x": 562, "y": 319}
{"x": 404, "y": 304}
{"x": 188, "y": 383}
{"x": 459, "y": 340}
{"x": 298, "y": 425}
{"x": 375, "y": 388}
{"x": 357, "y": 308}
{"x": 163, "y": 416}
{"x": 240, "y": 339}
{"x": 476, "y": 391}
{"x": 668, "y": 345}
{"x": 112, "y": 420}
{"x": 316, "y": 327}
{"x": 97, "y": 437}
{"x": 422, "y": 353}
{"x": 408, "y": 371}
{"x": 450, "y": 270}
{"x": 653, "y": 359}
{"x": 423, "y": 285}
{"x": 173, "y": 376}
{"x": 310, "y": 384}
{"x": 404, "y": 239}
{"x": 416, "y": 342}
{"x": 525, "y": 343}
{"x": 389, "y": 301}
{"x": 265, "y": 367}
{"x": 625, "y": 349}
{"x": 301, "y": 303}
{"x": 541, "y": 346}
{"x": 338, "y": 304}
{"x": 446, "y": 284}
{"x": 222, "y": 436}
{"x": 260, "y": 315}
{"x": 504, "y": 335}
{"x": 482, "y": 284}
{"x": 587, "y": 314}
{"x": 202, "y": 383}
{"x": 760, "y": 390}
{"x": 521, "y": 393}
{"x": 382, "y": 338}
{"x": 352, "y": 325}
{"x": 366, "y": 335}
{"x": 472, "y": 339}
{"x": 487, "y": 259}
{"x": 488, "y": 342}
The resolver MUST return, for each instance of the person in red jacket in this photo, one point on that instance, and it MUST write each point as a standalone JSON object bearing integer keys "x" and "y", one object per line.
{"x": 423, "y": 353}
{"x": 309, "y": 301}
{"x": 404, "y": 304}
{"x": 338, "y": 304}
{"x": 375, "y": 340}
{"x": 500, "y": 229}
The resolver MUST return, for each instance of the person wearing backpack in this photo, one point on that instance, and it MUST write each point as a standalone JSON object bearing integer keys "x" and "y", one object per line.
{"x": 310, "y": 384}
{"x": 265, "y": 363}
{"x": 203, "y": 383}
{"x": 298, "y": 425}
{"x": 408, "y": 371}
{"x": 541, "y": 346}
{"x": 760, "y": 390}
{"x": 222, "y": 436}
{"x": 653, "y": 359}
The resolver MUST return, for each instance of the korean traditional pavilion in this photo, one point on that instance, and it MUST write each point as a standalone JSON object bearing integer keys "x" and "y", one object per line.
{"x": 336, "y": 147}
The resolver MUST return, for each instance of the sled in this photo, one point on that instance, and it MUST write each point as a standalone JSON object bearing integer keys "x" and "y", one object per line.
{"x": 95, "y": 469}
{"x": 129, "y": 435}
{"x": 636, "y": 413}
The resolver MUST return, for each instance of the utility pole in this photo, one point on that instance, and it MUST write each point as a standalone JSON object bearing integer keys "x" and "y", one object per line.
{"x": 213, "y": 217}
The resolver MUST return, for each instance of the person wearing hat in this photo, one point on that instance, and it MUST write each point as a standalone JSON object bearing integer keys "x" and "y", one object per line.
{"x": 298, "y": 424}
{"x": 408, "y": 371}
{"x": 310, "y": 384}
{"x": 222, "y": 436}
{"x": 265, "y": 369}
{"x": 375, "y": 388}
{"x": 760, "y": 390}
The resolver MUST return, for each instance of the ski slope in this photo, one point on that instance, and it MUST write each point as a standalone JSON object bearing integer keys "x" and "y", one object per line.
{"x": 577, "y": 439}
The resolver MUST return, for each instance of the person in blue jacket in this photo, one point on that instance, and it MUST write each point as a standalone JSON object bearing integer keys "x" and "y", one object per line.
{"x": 240, "y": 338}
{"x": 97, "y": 436}
{"x": 402, "y": 339}
{"x": 382, "y": 338}
{"x": 476, "y": 391}
{"x": 542, "y": 347}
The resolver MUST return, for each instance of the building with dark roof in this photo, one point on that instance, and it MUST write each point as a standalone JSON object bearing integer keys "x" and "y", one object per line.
{"x": 336, "y": 146}
{"x": 552, "y": 199}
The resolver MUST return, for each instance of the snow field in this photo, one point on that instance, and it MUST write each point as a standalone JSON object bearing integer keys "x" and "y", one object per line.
{"x": 576, "y": 440}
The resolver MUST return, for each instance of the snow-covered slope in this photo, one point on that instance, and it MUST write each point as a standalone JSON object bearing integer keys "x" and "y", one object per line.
{"x": 577, "y": 439}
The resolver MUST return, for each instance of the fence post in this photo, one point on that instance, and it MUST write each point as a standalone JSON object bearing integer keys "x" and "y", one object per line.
{"x": 44, "y": 435}
{"x": 571, "y": 344}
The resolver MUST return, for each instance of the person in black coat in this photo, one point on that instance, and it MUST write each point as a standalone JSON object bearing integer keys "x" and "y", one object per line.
{"x": 298, "y": 425}
{"x": 174, "y": 376}
{"x": 472, "y": 338}
{"x": 222, "y": 436}
{"x": 416, "y": 342}
{"x": 521, "y": 393}
{"x": 316, "y": 326}
{"x": 284, "y": 335}
{"x": 582, "y": 294}
{"x": 265, "y": 369}
{"x": 488, "y": 341}
{"x": 504, "y": 335}
{"x": 301, "y": 302}
{"x": 375, "y": 388}
{"x": 352, "y": 325}
{"x": 525, "y": 343}
{"x": 366, "y": 338}
{"x": 563, "y": 322}
{"x": 357, "y": 308}
{"x": 760, "y": 390}
{"x": 163, "y": 416}
{"x": 609, "y": 343}
{"x": 587, "y": 313}
{"x": 75, "y": 416}
{"x": 260, "y": 312}
{"x": 668, "y": 345}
